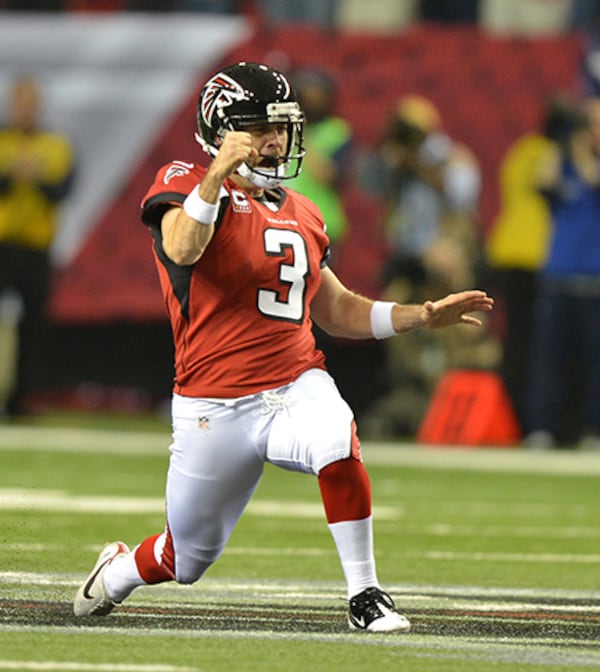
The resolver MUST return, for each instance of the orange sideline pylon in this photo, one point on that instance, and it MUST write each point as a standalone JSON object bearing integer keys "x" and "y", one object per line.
{"x": 470, "y": 408}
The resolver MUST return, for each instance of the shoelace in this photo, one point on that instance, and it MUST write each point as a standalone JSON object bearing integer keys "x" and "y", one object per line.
{"x": 367, "y": 602}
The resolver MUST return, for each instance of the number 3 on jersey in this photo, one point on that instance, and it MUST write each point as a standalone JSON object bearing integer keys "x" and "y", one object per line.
{"x": 294, "y": 275}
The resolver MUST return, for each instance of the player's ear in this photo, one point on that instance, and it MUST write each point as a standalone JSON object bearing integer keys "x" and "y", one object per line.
{"x": 220, "y": 137}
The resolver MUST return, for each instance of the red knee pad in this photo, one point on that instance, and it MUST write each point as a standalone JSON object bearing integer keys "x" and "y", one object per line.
{"x": 345, "y": 490}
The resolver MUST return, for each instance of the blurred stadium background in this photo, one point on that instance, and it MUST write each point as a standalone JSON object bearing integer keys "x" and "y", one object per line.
{"x": 493, "y": 554}
{"x": 123, "y": 85}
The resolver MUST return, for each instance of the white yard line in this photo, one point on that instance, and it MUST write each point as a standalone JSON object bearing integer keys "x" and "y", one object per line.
{"x": 78, "y": 440}
{"x": 61, "y": 501}
{"x": 24, "y": 499}
{"x": 48, "y": 666}
{"x": 507, "y": 460}
{"x": 213, "y": 589}
{"x": 518, "y": 651}
{"x": 543, "y": 558}
{"x": 499, "y": 460}
{"x": 503, "y": 531}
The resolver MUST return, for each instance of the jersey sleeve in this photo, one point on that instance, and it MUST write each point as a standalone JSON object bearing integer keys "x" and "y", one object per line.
{"x": 172, "y": 183}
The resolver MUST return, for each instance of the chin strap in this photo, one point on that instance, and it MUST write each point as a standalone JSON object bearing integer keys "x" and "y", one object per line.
{"x": 258, "y": 179}
{"x": 209, "y": 149}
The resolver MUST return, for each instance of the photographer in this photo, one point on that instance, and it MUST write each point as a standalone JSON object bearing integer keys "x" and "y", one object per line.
{"x": 429, "y": 185}
{"x": 565, "y": 351}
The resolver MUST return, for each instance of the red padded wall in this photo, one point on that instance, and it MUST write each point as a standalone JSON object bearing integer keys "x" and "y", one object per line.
{"x": 488, "y": 89}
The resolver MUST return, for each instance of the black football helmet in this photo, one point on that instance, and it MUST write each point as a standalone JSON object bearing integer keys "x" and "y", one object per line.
{"x": 241, "y": 96}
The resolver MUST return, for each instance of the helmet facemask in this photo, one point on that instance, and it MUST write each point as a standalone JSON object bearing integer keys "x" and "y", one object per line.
{"x": 226, "y": 105}
{"x": 273, "y": 170}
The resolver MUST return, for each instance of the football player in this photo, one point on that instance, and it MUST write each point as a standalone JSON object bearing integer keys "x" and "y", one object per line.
{"x": 242, "y": 263}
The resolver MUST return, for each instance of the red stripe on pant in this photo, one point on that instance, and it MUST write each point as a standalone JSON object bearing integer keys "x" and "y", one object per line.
{"x": 150, "y": 570}
{"x": 345, "y": 487}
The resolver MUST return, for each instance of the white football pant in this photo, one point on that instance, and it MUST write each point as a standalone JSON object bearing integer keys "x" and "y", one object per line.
{"x": 218, "y": 453}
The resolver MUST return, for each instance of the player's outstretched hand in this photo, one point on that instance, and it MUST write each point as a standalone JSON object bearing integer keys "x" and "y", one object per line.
{"x": 456, "y": 309}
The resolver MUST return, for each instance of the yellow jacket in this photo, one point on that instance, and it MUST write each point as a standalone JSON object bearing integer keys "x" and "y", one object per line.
{"x": 520, "y": 233}
{"x": 28, "y": 205}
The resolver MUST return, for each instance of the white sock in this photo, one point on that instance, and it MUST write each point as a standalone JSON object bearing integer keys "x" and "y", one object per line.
{"x": 121, "y": 577}
{"x": 354, "y": 542}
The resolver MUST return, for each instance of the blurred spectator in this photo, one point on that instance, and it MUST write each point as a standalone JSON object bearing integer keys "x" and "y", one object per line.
{"x": 94, "y": 5}
{"x": 584, "y": 14}
{"x": 149, "y": 5}
{"x": 456, "y": 11}
{"x": 565, "y": 357}
{"x": 32, "y": 5}
{"x": 328, "y": 142}
{"x": 36, "y": 171}
{"x": 320, "y": 12}
{"x": 525, "y": 17}
{"x": 376, "y": 15}
{"x": 517, "y": 245}
{"x": 210, "y": 6}
{"x": 586, "y": 18}
{"x": 429, "y": 185}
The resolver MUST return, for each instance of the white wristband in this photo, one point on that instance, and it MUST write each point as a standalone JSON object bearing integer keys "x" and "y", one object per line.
{"x": 381, "y": 319}
{"x": 199, "y": 209}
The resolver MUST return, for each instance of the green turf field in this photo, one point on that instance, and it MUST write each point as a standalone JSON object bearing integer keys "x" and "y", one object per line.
{"x": 493, "y": 555}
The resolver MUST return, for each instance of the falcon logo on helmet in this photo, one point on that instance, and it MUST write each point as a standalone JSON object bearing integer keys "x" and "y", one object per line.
{"x": 219, "y": 92}
{"x": 245, "y": 95}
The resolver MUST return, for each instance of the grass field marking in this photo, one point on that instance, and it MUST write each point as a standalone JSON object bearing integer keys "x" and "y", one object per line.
{"x": 491, "y": 592}
{"x": 33, "y": 547}
{"x": 59, "y": 501}
{"x": 519, "y": 531}
{"x": 515, "y": 509}
{"x": 434, "y": 530}
{"x": 535, "y": 651}
{"x": 413, "y": 598}
{"x": 478, "y": 556}
{"x": 529, "y": 655}
{"x": 78, "y": 440}
{"x": 307, "y": 552}
{"x": 556, "y": 462}
{"x": 226, "y": 586}
{"x": 174, "y": 593}
{"x": 37, "y": 579}
{"x": 87, "y": 667}
{"x": 125, "y": 442}
{"x": 550, "y": 650}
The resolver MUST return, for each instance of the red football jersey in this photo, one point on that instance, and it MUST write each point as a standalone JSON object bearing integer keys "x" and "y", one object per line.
{"x": 241, "y": 314}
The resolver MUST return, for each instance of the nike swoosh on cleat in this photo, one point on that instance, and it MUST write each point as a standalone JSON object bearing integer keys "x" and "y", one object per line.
{"x": 90, "y": 581}
{"x": 360, "y": 622}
